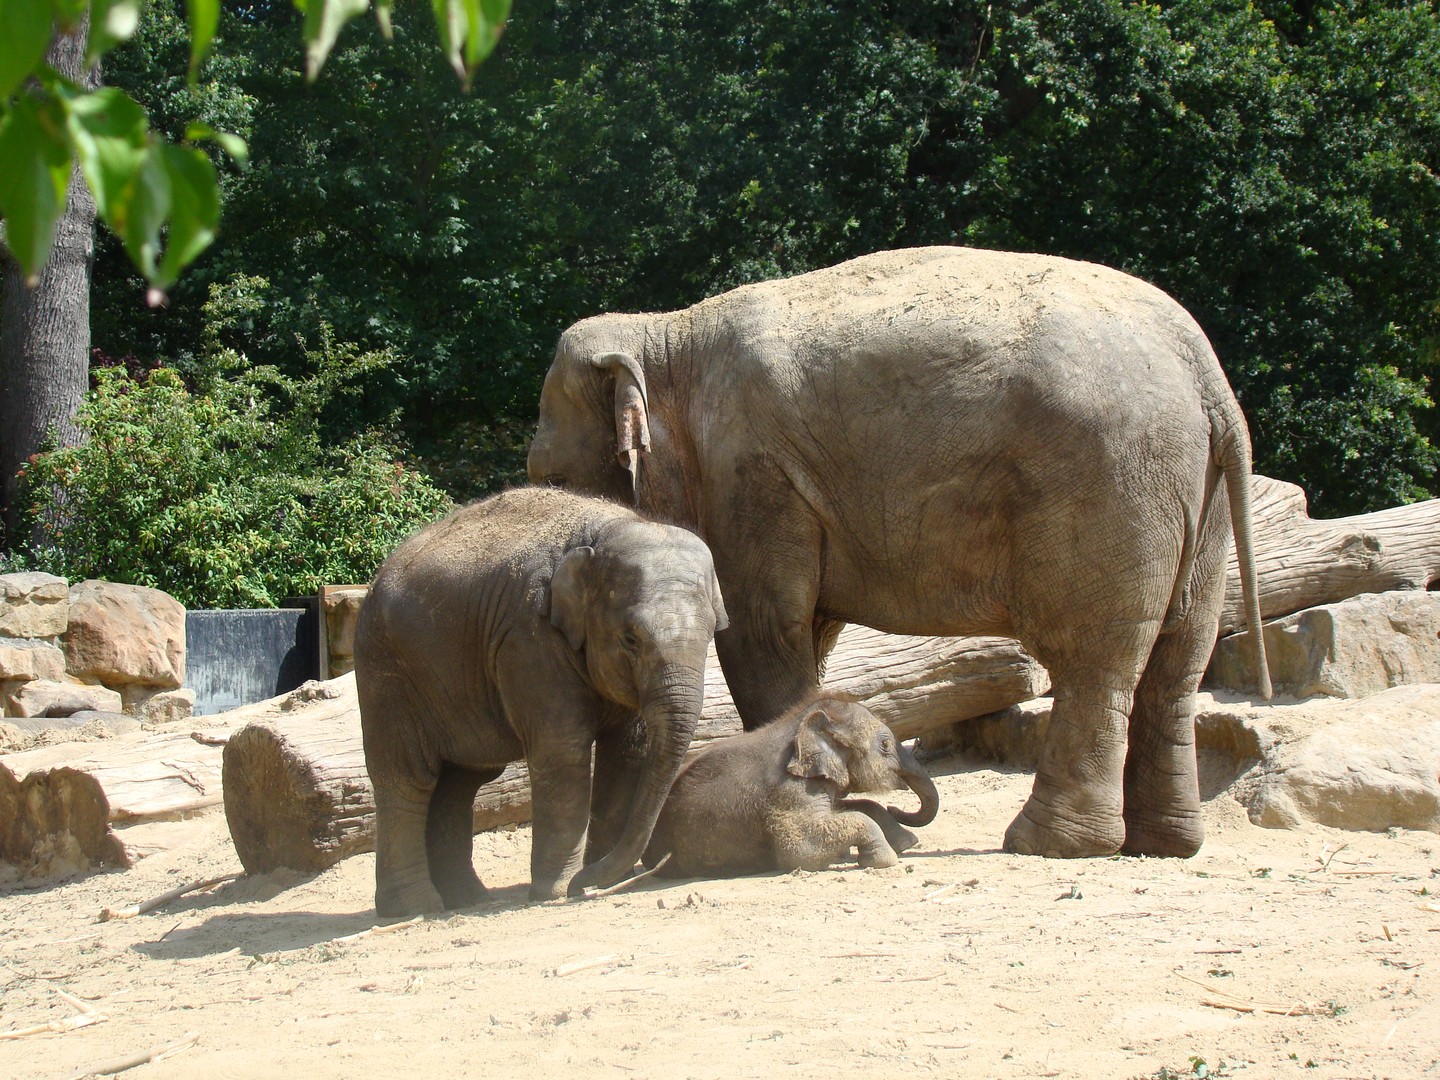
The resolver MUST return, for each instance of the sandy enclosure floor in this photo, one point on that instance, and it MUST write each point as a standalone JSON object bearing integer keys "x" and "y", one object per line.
{"x": 1308, "y": 954}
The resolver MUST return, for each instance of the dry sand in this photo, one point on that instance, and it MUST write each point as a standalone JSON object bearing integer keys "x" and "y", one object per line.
{"x": 1310, "y": 954}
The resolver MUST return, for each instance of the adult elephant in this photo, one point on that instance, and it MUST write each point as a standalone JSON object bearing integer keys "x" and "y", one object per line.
{"x": 945, "y": 441}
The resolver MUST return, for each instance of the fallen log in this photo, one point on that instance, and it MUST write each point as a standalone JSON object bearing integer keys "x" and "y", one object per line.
{"x": 55, "y": 822}
{"x": 297, "y": 794}
{"x": 1302, "y": 562}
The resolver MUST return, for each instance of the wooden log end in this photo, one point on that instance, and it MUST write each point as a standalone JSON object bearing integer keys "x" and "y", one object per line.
{"x": 55, "y": 823}
{"x": 279, "y": 814}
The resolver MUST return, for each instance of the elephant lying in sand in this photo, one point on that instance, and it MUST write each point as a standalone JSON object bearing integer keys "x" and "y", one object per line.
{"x": 945, "y": 441}
{"x": 775, "y": 798}
{"x": 530, "y": 625}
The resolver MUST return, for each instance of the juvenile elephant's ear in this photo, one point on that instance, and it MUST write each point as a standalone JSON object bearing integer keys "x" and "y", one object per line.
{"x": 567, "y": 596}
{"x": 717, "y": 603}
{"x": 632, "y": 405}
{"x": 814, "y": 755}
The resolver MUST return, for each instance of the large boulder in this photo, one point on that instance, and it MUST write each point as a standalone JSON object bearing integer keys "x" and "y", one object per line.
{"x": 1366, "y": 764}
{"x": 22, "y": 659}
{"x": 1351, "y": 649}
{"x": 43, "y": 697}
{"x": 33, "y": 605}
{"x": 122, "y": 635}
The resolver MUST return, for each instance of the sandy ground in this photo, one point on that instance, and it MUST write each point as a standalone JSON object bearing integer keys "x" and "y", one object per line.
{"x": 1312, "y": 953}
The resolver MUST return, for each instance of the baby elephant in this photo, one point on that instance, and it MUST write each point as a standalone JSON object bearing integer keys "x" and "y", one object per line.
{"x": 775, "y": 798}
{"x": 535, "y": 624}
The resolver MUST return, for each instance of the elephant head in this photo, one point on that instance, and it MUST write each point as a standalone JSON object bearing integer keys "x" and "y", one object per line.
{"x": 594, "y": 411}
{"x": 641, "y": 606}
{"x": 840, "y": 742}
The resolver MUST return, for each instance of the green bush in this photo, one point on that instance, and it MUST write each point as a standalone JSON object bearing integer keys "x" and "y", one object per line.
{"x": 220, "y": 491}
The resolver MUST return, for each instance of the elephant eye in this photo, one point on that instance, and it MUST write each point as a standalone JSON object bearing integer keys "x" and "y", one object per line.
{"x": 885, "y": 744}
{"x": 629, "y": 640}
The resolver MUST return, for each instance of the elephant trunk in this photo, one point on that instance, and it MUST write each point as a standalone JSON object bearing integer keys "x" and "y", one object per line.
{"x": 918, "y": 781}
{"x": 670, "y": 708}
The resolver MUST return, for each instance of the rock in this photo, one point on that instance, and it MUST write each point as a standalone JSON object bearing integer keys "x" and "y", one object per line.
{"x": 33, "y": 605}
{"x": 1350, "y": 649}
{"x": 30, "y": 658}
{"x": 124, "y": 634}
{"x": 44, "y": 697}
{"x": 114, "y": 723}
{"x": 1367, "y": 765}
{"x": 160, "y": 707}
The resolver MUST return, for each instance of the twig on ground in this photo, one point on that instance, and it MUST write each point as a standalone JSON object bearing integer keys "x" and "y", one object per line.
{"x": 85, "y": 1016}
{"x": 1241, "y": 1004}
{"x": 584, "y": 965}
{"x": 595, "y": 894}
{"x": 164, "y": 898}
{"x": 1325, "y": 860}
{"x": 387, "y": 928}
{"x": 156, "y": 1053}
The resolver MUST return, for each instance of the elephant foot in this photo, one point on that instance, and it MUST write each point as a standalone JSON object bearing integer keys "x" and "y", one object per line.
{"x": 1034, "y": 832}
{"x": 1165, "y": 836}
{"x": 901, "y": 838}
{"x": 879, "y": 857}
{"x": 463, "y": 892}
{"x": 396, "y": 901}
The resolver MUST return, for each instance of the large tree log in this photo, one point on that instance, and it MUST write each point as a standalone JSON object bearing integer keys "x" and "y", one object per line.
{"x": 297, "y": 794}
{"x": 1302, "y": 562}
{"x": 57, "y": 802}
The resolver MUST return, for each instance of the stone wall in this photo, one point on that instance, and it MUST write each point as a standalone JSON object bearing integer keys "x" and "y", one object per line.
{"x": 92, "y": 647}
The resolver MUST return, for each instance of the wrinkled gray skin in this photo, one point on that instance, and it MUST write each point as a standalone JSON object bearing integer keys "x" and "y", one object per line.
{"x": 774, "y": 798}
{"x": 945, "y": 441}
{"x": 532, "y": 625}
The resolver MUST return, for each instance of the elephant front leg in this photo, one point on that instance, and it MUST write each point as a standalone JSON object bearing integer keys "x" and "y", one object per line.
{"x": 450, "y": 835}
{"x": 402, "y": 875}
{"x": 897, "y": 836}
{"x": 619, "y": 763}
{"x": 560, "y": 811}
{"x": 813, "y": 842}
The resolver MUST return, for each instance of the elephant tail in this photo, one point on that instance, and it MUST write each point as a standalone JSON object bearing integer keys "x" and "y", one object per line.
{"x": 1230, "y": 440}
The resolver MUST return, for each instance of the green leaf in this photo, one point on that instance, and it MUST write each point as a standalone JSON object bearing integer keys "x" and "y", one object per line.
{"x": 108, "y": 131}
{"x": 324, "y": 19}
{"x": 145, "y": 213}
{"x": 33, "y": 181}
{"x": 111, "y": 22}
{"x": 24, "y": 37}
{"x": 231, "y": 143}
{"x": 469, "y": 31}
{"x": 204, "y": 16}
{"x": 67, "y": 12}
{"x": 194, "y": 209}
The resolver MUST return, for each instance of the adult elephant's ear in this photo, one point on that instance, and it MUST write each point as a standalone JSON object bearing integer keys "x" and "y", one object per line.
{"x": 632, "y": 422}
{"x": 567, "y": 596}
{"x": 814, "y": 755}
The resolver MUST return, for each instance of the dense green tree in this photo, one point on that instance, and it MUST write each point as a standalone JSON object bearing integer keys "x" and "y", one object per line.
{"x": 1272, "y": 165}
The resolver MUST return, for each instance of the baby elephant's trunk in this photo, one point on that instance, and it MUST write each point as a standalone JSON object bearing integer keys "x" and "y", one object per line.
{"x": 918, "y": 781}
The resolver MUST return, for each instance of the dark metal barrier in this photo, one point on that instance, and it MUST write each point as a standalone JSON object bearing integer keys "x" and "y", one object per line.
{"x": 239, "y": 656}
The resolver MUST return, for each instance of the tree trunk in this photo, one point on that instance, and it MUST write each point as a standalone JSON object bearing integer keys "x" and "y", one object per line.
{"x": 297, "y": 794}
{"x": 1303, "y": 563}
{"x": 45, "y": 328}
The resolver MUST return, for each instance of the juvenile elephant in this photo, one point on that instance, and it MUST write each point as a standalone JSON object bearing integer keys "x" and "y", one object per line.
{"x": 775, "y": 798}
{"x": 530, "y": 625}
{"x": 945, "y": 441}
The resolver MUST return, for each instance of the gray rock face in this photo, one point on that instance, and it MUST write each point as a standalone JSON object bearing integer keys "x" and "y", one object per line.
{"x": 33, "y": 605}
{"x": 1352, "y": 649}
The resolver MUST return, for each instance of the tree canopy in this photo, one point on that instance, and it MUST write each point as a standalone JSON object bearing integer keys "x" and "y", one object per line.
{"x": 1270, "y": 164}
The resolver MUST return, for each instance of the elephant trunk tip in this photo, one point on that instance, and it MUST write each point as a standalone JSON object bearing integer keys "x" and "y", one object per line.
{"x": 921, "y": 785}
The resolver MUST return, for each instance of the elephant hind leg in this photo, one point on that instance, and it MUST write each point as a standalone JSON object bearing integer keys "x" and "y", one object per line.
{"x": 449, "y": 834}
{"x": 897, "y": 836}
{"x": 1162, "y": 791}
{"x": 1075, "y": 807}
